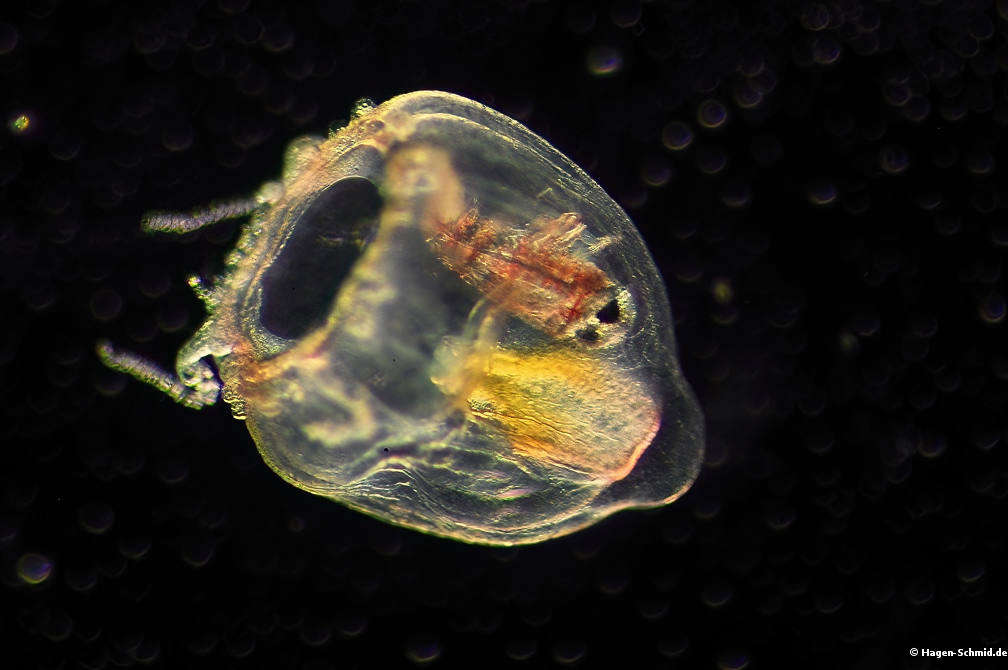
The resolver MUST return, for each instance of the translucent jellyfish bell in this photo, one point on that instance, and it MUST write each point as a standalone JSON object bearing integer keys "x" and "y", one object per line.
{"x": 439, "y": 320}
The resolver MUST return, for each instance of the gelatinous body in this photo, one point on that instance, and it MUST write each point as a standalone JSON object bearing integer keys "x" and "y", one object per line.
{"x": 441, "y": 321}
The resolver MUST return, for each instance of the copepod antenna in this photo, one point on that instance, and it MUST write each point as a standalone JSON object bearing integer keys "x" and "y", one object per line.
{"x": 198, "y": 392}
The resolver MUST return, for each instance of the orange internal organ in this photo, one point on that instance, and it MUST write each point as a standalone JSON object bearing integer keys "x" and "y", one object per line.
{"x": 533, "y": 274}
{"x": 569, "y": 410}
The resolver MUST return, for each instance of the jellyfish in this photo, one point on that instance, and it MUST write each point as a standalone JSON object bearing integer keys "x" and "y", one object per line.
{"x": 437, "y": 319}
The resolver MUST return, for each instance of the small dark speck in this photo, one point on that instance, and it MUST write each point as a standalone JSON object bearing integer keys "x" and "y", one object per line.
{"x": 386, "y": 449}
{"x": 610, "y": 313}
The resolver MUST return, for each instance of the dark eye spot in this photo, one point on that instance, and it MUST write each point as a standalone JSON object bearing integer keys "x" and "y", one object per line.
{"x": 301, "y": 284}
{"x": 610, "y": 313}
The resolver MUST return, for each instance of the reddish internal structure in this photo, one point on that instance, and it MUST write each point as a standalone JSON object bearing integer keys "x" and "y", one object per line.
{"x": 531, "y": 273}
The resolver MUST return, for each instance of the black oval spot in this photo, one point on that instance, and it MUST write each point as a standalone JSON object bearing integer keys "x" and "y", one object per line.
{"x": 610, "y": 313}
{"x": 301, "y": 284}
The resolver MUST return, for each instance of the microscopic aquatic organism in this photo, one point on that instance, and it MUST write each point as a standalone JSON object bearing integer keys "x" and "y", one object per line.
{"x": 439, "y": 320}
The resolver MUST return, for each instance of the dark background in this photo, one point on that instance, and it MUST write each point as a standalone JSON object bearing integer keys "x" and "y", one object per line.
{"x": 833, "y": 250}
